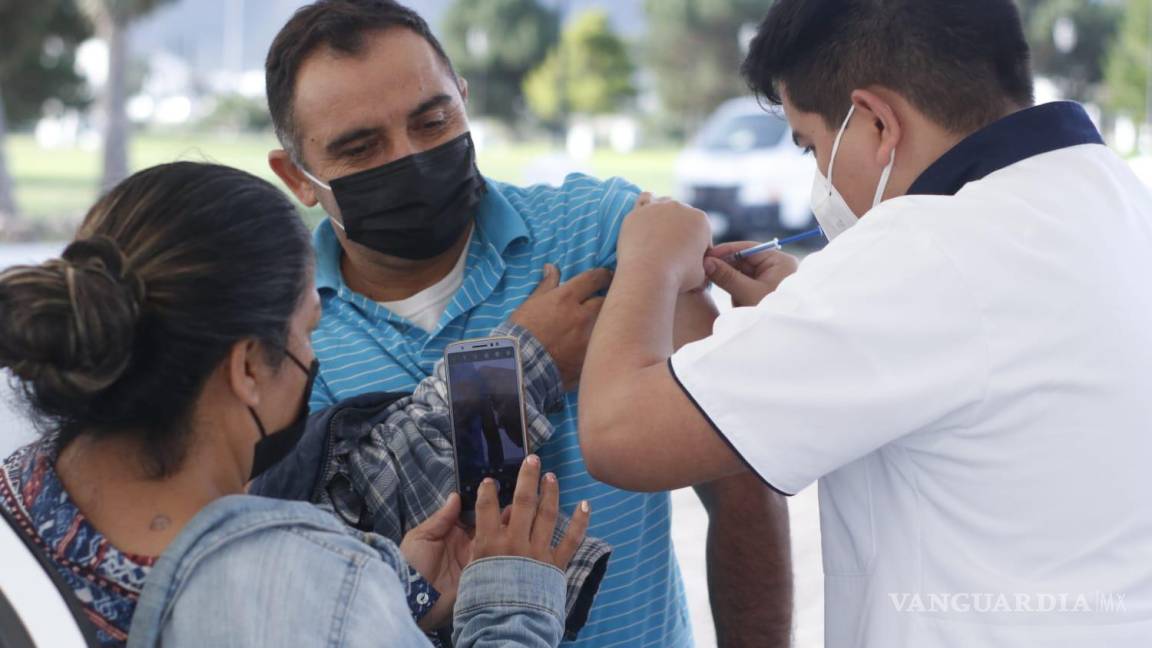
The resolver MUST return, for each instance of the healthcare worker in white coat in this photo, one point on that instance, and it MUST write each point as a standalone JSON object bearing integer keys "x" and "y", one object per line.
{"x": 966, "y": 368}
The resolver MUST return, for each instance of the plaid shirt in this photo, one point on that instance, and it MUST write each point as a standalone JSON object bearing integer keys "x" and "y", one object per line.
{"x": 388, "y": 462}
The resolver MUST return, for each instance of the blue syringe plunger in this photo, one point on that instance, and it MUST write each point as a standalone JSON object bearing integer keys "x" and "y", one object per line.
{"x": 774, "y": 244}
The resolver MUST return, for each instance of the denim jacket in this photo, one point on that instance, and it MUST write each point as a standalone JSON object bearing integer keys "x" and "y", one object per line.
{"x": 384, "y": 463}
{"x": 251, "y": 571}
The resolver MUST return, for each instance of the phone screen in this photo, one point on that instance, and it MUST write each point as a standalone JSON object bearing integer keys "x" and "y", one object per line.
{"x": 487, "y": 420}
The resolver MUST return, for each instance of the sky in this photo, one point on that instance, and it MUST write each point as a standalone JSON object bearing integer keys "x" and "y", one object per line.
{"x": 236, "y": 34}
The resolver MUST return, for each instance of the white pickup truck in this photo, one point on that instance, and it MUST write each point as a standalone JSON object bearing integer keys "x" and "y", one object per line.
{"x": 743, "y": 169}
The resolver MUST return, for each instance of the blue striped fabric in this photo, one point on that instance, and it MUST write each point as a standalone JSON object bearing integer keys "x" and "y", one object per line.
{"x": 364, "y": 348}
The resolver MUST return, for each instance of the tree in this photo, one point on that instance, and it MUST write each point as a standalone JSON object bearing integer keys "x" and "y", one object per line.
{"x": 494, "y": 44}
{"x": 239, "y": 114}
{"x": 1129, "y": 63}
{"x": 20, "y": 26}
{"x": 8, "y": 207}
{"x": 589, "y": 72}
{"x": 47, "y": 71}
{"x": 695, "y": 49}
{"x": 1070, "y": 41}
{"x": 111, "y": 18}
{"x": 25, "y": 28}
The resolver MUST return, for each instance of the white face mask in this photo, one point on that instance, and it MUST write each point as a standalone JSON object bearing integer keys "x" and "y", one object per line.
{"x": 832, "y": 212}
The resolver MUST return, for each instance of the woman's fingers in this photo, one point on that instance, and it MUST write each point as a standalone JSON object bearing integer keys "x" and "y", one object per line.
{"x": 487, "y": 512}
{"x": 545, "y": 523}
{"x": 526, "y": 528}
{"x": 573, "y": 536}
{"x": 524, "y": 501}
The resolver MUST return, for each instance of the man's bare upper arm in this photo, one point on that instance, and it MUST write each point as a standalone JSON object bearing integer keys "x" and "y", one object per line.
{"x": 658, "y": 408}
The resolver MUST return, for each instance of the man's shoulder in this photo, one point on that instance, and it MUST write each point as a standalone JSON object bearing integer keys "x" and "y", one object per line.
{"x": 578, "y": 196}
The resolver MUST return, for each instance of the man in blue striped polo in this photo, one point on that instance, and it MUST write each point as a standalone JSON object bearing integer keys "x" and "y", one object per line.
{"x": 420, "y": 250}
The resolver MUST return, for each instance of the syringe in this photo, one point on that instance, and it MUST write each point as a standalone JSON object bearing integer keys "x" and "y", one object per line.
{"x": 774, "y": 244}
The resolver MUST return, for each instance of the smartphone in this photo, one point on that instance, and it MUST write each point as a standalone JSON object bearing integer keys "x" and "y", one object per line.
{"x": 486, "y": 392}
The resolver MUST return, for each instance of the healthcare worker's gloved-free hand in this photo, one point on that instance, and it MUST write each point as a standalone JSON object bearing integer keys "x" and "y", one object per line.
{"x": 749, "y": 280}
{"x": 667, "y": 239}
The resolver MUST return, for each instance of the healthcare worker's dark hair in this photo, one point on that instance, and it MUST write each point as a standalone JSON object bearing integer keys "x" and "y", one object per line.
{"x": 339, "y": 25}
{"x": 167, "y": 272}
{"x": 963, "y": 63}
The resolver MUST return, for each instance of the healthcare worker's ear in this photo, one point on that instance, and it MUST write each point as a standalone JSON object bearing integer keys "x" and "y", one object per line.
{"x": 293, "y": 178}
{"x": 883, "y": 118}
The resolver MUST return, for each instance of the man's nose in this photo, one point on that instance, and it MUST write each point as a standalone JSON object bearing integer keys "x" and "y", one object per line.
{"x": 402, "y": 147}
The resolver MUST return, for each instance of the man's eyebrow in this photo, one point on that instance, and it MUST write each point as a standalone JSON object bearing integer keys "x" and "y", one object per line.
{"x": 333, "y": 147}
{"x": 347, "y": 138}
{"x": 429, "y": 104}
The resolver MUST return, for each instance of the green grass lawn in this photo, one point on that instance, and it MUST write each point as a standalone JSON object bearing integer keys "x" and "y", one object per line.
{"x": 56, "y": 186}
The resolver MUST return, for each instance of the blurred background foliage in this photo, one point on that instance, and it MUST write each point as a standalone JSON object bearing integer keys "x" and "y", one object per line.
{"x": 85, "y": 97}
{"x": 495, "y": 44}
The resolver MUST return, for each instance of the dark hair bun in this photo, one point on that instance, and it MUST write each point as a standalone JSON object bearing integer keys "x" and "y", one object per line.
{"x": 67, "y": 326}
{"x": 225, "y": 259}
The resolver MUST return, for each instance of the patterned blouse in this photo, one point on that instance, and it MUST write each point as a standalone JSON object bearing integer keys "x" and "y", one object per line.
{"x": 106, "y": 581}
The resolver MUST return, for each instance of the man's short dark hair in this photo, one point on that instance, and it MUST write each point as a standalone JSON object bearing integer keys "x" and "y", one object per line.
{"x": 339, "y": 25}
{"x": 963, "y": 63}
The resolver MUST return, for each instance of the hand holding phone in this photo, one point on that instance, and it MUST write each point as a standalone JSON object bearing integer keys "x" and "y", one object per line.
{"x": 528, "y": 527}
{"x": 486, "y": 391}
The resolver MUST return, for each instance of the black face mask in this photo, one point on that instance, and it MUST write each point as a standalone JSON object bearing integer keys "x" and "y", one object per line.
{"x": 271, "y": 448}
{"x": 417, "y": 207}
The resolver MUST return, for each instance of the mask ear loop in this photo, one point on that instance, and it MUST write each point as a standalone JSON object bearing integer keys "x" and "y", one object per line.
{"x": 325, "y": 186}
{"x": 311, "y": 370}
{"x": 314, "y": 178}
{"x": 259, "y": 423}
{"x": 884, "y": 180}
{"x": 303, "y": 367}
{"x": 836, "y": 144}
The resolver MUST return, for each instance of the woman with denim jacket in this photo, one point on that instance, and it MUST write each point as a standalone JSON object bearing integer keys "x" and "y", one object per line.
{"x": 167, "y": 357}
